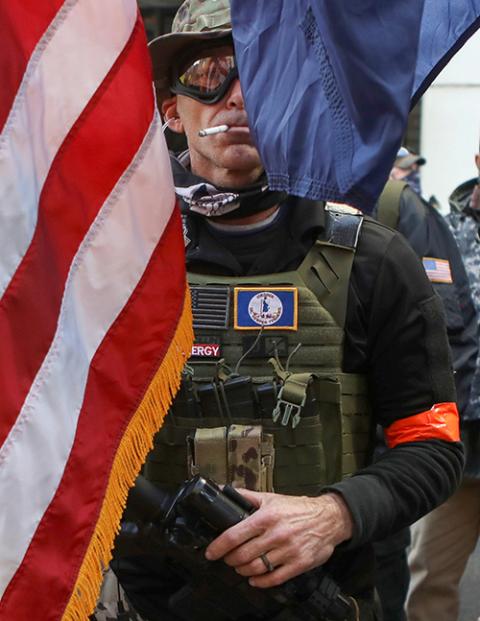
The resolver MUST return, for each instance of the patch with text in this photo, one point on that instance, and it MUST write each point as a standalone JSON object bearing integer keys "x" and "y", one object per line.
{"x": 206, "y": 350}
{"x": 270, "y": 308}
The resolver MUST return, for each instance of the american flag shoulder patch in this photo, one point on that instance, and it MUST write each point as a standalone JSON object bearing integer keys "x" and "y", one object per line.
{"x": 438, "y": 270}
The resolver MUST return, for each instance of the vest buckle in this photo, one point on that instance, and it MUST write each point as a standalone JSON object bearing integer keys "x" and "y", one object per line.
{"x": 290, "y": 410}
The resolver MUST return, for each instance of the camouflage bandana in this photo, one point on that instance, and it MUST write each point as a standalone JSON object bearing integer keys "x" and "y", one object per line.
{"x": 200, "y": 15}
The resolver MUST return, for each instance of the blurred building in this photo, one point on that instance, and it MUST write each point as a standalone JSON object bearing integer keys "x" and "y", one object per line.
{"x": 450, "y": 124}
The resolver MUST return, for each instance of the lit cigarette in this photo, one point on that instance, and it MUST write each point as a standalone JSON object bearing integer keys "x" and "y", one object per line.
{"x": 210, "y": 131}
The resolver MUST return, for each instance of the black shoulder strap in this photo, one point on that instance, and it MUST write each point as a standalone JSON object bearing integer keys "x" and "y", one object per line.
{"x": 388, "y": 206}
{"x": 342, "y": 225}
{"x": 327, "y": 267}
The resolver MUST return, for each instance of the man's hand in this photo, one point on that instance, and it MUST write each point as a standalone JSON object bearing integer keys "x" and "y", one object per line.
{"x": 296, "y": 533}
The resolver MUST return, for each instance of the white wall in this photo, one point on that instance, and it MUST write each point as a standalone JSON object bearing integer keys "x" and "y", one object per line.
{"x": 450, "y": 128}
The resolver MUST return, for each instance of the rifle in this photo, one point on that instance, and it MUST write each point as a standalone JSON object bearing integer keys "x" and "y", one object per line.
{"x": 176, "y": 528}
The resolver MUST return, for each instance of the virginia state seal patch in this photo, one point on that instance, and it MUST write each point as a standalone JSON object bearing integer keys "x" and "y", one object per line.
{"x": 270, "y": 308}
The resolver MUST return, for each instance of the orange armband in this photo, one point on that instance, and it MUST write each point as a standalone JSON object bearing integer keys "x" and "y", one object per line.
{"x": 441, "y": 422}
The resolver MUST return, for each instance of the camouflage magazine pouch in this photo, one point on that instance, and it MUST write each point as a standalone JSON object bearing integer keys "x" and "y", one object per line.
{"x": 207, "y": 454}
{"x": 250, "y": 458}
{"x": 331, "y": 439}
{"x": 241, "y": 455}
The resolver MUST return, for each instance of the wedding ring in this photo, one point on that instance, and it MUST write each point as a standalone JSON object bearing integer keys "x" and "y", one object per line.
{"x": 267, "y": 563}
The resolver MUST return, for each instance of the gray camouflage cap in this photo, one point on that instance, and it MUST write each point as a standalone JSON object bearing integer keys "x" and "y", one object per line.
{"x": 196, "y": 21}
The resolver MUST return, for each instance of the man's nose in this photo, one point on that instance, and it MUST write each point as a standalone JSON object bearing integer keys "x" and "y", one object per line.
{"x": 235, "y": 96}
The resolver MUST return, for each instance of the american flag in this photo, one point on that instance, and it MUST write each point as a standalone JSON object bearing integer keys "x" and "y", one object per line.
{"x": 438, "y": 270}
{"x": 94, "y": 316}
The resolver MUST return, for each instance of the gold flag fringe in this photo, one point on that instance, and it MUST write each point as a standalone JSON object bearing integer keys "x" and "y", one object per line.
{"x": 132, "y": 451}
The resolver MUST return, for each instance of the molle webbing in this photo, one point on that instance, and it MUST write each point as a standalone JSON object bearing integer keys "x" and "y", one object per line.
{"x": 328, "y": 444}
{"x": 320, "y": 336}
{"x": 325, "y": 439}
{"x": 322, "y": 449}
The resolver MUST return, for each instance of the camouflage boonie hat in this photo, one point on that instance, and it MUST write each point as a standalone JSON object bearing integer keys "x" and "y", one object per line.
{"x": 196, "y": 21}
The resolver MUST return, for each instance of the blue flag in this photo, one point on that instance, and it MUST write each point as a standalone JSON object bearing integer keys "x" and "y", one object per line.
{"x": 328, "y": 85}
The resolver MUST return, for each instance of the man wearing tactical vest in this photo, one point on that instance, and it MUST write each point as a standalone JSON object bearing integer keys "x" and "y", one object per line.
{"x": 434, "y": 589}
{"x": 312, "y": 324}
{"x": 404, "y": 210}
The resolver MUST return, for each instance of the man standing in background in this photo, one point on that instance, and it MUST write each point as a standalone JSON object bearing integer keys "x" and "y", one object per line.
{"x": 402, "y": 207}
{"x": 443, "y": 540}
{"x": 407, "y": 168}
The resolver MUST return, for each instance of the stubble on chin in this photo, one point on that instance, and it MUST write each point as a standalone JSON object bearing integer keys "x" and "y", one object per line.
{"x": 227, "y": 165}
{"x": 240, "y": 157}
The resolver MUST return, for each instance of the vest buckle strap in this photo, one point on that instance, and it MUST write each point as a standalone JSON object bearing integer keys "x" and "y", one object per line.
{"x": 290, "y": 410}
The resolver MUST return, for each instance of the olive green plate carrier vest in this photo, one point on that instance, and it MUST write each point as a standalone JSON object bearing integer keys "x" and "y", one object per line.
{"x": 333, "y": 436}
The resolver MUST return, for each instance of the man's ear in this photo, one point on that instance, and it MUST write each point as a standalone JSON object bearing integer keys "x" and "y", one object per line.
{"x": 170, "y": 114}
{"x": 477, "y": 161}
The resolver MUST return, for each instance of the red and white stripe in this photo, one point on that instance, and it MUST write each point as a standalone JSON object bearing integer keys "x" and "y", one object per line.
{"x": 438, "y": 270}
{"x": 91, "y": 278}
{"x": 66, "y": 59}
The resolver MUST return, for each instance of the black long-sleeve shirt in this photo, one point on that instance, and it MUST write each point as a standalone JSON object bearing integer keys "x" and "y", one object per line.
{"x": 428, "y": 234}
{"x": 394, "y": 334}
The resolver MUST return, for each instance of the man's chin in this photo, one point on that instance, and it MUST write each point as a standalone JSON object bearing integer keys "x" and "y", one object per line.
{"x": 241, "y": 157}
